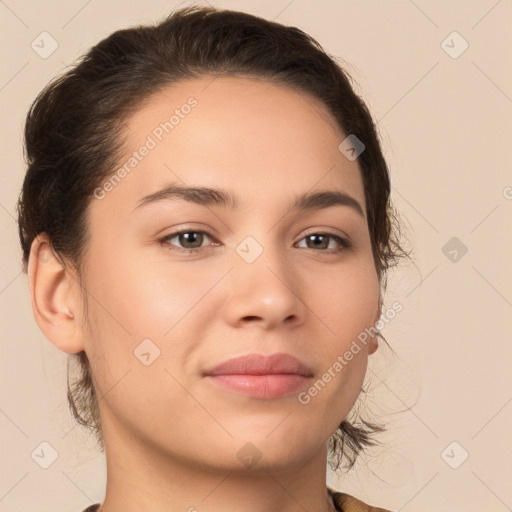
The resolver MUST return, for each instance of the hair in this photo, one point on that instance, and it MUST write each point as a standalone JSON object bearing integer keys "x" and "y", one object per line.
{"x": 74, "y": 138}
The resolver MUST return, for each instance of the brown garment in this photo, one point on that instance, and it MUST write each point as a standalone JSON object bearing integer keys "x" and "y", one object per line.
{"x": 343, "y": 503}
{"x": 346, "y": 503}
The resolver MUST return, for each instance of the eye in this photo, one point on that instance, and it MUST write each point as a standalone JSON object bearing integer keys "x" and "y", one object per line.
{"x": 320, "y": 241}
{"x": 192, "y": 240}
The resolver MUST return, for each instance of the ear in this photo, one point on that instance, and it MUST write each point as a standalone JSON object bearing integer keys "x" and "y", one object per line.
{"x": 374, "y": 340}
{"x": 55, "y": 297}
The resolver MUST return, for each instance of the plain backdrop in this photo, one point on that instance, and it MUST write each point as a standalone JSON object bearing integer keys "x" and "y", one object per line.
{"x": 437, "y": 76}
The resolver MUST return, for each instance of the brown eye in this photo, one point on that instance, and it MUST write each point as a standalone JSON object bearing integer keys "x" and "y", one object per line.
{"x": 320, "y": 242}
{"x": 189, "y": 240}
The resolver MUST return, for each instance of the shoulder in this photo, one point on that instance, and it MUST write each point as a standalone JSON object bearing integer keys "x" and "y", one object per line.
{"x": 346, "y": 503}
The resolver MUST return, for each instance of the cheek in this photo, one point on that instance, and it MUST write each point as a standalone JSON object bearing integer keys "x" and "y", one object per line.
{"x": 142, "y": 299}
{"x": 135, "y": 309}
{"x": 133, "y": 360}
{"x": 347, "y": 302}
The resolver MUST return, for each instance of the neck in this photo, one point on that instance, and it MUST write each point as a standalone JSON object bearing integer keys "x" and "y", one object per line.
{"x": 142, "y": 477}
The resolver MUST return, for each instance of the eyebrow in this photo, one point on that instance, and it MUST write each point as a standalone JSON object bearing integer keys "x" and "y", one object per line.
{"x": 207, "y": 196}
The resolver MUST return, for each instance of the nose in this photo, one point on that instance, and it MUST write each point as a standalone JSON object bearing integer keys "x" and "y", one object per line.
{"x": 267, "y": 293}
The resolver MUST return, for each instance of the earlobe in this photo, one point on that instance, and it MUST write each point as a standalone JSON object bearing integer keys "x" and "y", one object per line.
{"x": 373, "y": 345}
{"x": 54, "y": 297}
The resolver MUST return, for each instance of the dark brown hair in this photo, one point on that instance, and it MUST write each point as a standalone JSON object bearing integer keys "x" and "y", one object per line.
{"x": 74, "y": 138}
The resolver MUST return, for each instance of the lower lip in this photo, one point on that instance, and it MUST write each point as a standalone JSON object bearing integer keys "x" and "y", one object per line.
{"x": 261, "y": 386}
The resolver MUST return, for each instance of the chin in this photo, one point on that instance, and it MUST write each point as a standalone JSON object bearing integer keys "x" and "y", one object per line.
{"x": 277, "y": 450}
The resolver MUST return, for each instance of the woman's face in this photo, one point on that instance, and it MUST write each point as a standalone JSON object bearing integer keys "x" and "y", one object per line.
{"x": 262, "y": 277}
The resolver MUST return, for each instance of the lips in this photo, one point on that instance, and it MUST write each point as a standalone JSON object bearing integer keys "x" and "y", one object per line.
{"x": 261, "y": 364}
{"x": 261, "y": 375}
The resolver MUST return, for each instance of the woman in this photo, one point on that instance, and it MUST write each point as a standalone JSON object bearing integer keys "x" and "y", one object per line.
{"x": 206, "y": 228}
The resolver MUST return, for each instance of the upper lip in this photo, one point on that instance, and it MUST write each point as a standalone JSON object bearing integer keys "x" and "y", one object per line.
{"x": 262, "y": 364}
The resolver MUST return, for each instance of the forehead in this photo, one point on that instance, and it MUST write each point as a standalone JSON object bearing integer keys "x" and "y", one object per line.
{"x": 262, "y": 140}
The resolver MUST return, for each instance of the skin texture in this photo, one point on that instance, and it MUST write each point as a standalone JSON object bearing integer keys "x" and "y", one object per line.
{"x": 172, "y": 438}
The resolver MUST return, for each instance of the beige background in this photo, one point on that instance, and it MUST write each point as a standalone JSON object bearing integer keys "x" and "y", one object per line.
{"x": 446, "y": 128}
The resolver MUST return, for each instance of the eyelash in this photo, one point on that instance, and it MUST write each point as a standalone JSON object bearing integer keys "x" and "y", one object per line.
{"x": 344, "y": 243}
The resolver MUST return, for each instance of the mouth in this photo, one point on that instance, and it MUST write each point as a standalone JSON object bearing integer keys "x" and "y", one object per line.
{"x": 260, "y": 375}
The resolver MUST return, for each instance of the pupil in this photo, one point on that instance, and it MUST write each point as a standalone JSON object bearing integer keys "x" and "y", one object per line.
{"x": 318, "y": 239}
{"x": 189, "y": 236}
